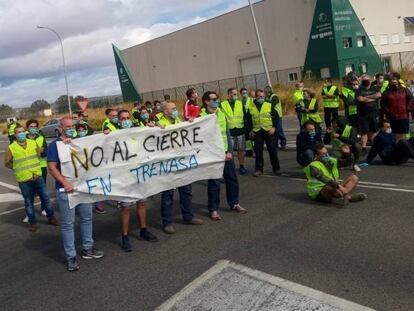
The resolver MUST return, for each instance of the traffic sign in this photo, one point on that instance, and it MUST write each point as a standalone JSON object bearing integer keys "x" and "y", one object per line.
{"x": 83, "y": 104}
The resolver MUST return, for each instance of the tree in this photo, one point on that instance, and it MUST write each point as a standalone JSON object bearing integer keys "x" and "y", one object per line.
{"x": 5, "y": 112}
{"x": 61, "y": 104}
{"x": 39, "y": 105}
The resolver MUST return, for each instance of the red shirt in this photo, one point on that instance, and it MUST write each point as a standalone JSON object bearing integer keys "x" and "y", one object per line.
{"x": 191, "y": 110}
{"x": 396, "y": 103}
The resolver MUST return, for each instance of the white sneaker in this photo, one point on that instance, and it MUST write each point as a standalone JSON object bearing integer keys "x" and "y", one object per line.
{"x": 44, "y": 213}
{"x": 357, "y": 168}
{"x": 26, "y": 220}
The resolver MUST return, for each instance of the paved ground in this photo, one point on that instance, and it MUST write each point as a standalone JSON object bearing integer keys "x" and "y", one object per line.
{"x": 363, "y": 253}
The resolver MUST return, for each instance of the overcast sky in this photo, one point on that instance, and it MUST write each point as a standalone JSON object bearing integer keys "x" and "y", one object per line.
{"x": 30, "y": 59}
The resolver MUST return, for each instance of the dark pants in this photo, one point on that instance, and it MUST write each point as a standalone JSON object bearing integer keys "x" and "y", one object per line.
{"x": 260, "y": 138}
{"x": 44, "y": 173}
{"x": 403, "y": 151}
{"x": 353, "y": 120}
{"x": 306, "y": 157}
{"x": 29, "y": 189}
{"x": 232, "y": 187}
{"x": 280, "y": 135}
{"x": 348, "y": 159}
{"x": 167, "y": 202}
{"x": 12, "y": 138}
{"x": 330, "y": 114}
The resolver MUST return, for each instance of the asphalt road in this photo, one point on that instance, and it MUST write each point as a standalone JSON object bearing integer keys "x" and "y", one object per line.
{"x": 363, "y": 253}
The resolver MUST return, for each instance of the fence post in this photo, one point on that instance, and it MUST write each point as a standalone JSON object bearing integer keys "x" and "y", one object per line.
{"x": 235, "y": 80}
{"x": 255, "y": 82}
{"x": 219, "y": 89}
{"x": 175, "y": 91}
{"x": 401, "y": 64}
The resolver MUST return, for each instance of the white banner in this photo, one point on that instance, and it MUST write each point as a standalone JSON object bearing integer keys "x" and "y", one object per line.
{"x": 136, "y": 163}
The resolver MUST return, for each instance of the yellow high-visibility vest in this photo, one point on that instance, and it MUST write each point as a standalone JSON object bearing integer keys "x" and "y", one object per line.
{"x": 330, "y": 102}
{"x": 261, "y": 119}
{"x": 234, "y": 117}
{"x": 26, "y": 163}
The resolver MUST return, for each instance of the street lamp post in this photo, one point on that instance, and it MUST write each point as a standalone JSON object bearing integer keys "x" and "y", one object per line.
{"x": 64, "y": 64}
{"x": 269, "y": 82}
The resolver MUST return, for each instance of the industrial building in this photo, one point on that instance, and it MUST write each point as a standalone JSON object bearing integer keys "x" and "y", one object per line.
{"x": 350, "y": 36}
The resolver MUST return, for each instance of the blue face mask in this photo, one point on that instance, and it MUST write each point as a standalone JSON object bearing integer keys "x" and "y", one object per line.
{"x": 235, "y": 97}
{"x": 214, "y": 104}
{"x": 261, "y": 100}
{"x": 33, "y": 131}
{"x": 126, "y": 124}
{"x": 312, "y": 134}
{"x": 114, "y": 120}
{"x": 145, "y": 116}
{"x": 21, "y": 137}
{"x": 70, "y": 132}
{"x": 326, "y": 158}
{"x": 174, "y": 114}
{"x": 82, "y": 133}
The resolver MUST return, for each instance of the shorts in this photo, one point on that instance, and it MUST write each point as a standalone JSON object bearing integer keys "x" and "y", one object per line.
{"x": 239, "y": 142}
{"x": 400, "y": 126}
{"x": 130, "y": 204}
{"x": 368, "y": 123}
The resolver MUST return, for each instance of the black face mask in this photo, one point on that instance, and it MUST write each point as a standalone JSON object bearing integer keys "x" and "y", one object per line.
{"x": 393, "y": 87}
{"x": 365, "y": 83}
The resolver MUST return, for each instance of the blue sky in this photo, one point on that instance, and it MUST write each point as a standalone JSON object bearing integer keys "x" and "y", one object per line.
{"x": 30, "y": 59}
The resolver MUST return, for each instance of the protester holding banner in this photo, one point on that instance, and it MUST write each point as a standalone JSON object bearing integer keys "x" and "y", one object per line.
{"x": 210, "y": 106}
{"x": 125, "y": 122}
{"x": 145, "y": 117}
{"x": 170, "y": 116}
{"x": 111, "y": 122}
{"x": 67, "y": 214}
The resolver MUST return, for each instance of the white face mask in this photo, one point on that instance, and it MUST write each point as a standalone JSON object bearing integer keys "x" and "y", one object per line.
{"x": 388, "y": 131}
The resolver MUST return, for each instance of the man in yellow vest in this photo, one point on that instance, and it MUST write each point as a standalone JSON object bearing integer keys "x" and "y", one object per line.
{"x": 211, "y": 106}
{"x": 261, "y": 119}
{"x": 297, "y": 99}
{"x": 135, "y": 113}
{"x": 169, "y": 116}
{"x": 247, "y": 101}
{"x": 350, "y": 86}
{"x": 323, "y": 183}
{"x": 275, "y": 101}
{"x": 330, "y": 95}
{"x": 111, "y": 123}
{"x": 22, "y": 156}
{"x": 234, "y": 111}
{"x": 11, "y": 126}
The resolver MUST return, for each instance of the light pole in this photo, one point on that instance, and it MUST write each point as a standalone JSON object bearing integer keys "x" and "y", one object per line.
{"x": 269, "y": 82}
{"x": 64, "y": 64}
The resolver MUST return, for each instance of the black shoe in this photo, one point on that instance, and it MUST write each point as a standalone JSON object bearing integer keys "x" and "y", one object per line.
{"x": 73, "y": 264}
{"x": 276, "y": 172}
{"x": 148, "y": 236}
{"x": 125, "y": 244}
{"x": 92, "y": 253}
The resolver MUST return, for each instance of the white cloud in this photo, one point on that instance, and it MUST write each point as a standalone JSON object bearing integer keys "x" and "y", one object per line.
{"x": 30, "y": 59}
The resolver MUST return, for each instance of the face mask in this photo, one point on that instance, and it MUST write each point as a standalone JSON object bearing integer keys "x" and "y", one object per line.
{"x": 261, "y": 100}
{"x": 234, "y": 98}
{"x": 312, "y": 134}
{"x": 158, "y": 107}
{"x": 244, "y": 95}
{"x": 145, "y": 116}
{"x": 174, "y": 114}
{"x": 21, "y": 137}
{"x": 70, "y": 132}
{"x": 126, "y": 124}
{"x": 388, "y": 131}
{"x": 381, "y": 80}
{"x": 33, "y": 131}
{"x": 214, "y": 104}
{"x": 325, "y": 158}
{"x": 301, "y": 89}
{"x": 365, "y": 83}
{"x": 114, "y": 120}
{"x": 82, "y": 133}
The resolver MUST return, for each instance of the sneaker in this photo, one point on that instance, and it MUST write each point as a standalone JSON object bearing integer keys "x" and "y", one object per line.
{"x": 99, "y": 209}
{"x": 194, "y": 221}
{"x": 73, "y": 264}
{"x": 148, "y": 236}
{"x": 214, "y": 215}
{"x": 26, "y": 220}
{"x": 243, "y": 171}
{"x": 357, "y": 168}
{"x": 238, "y": 209}
{"x": 32, "y": 227}
{"x": 358, "y": 197}
{"x": 125, "y": 244}
{"x": 43, "y": 213}
{"x": 92, "y": 253}
{"x": 53, "y": 222}
{"x": 169, "y": 229}
{"x": 341, "y": 202}
{"x": 257, "y": 174}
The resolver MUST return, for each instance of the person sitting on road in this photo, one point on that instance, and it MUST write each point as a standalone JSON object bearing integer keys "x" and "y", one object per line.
{"x": 323, "y": 180}
{"x": 344, "y": 140}
{"x": 386, "y": 147}
{"x": 306, "y": 142}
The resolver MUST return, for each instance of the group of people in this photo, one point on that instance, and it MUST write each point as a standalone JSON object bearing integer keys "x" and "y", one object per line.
{"x": 248, "y": 120}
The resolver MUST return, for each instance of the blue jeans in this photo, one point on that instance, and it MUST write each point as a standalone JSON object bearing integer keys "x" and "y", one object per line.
{"x": 67, "y": 223}
{"x": 167, "y": 201}
{"x": 232, "y": 188}
{"x": 29, "y": 189}
{"x": 305, "y": 158}
{"x": 280, "y": 135}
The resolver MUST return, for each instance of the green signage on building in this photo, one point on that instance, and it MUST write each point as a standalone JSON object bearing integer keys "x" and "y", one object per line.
{"x": 338, "y": 42}
{"x": 129, "y": 90}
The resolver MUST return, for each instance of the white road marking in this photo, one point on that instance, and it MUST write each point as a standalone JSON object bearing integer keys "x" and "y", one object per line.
{"x": 8, "y": 186}
{"x": 21, "y": 208}
{"x": 361, "y": 184}
{"x": 10, "y": 197}
{"x": 292, "y": 295}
